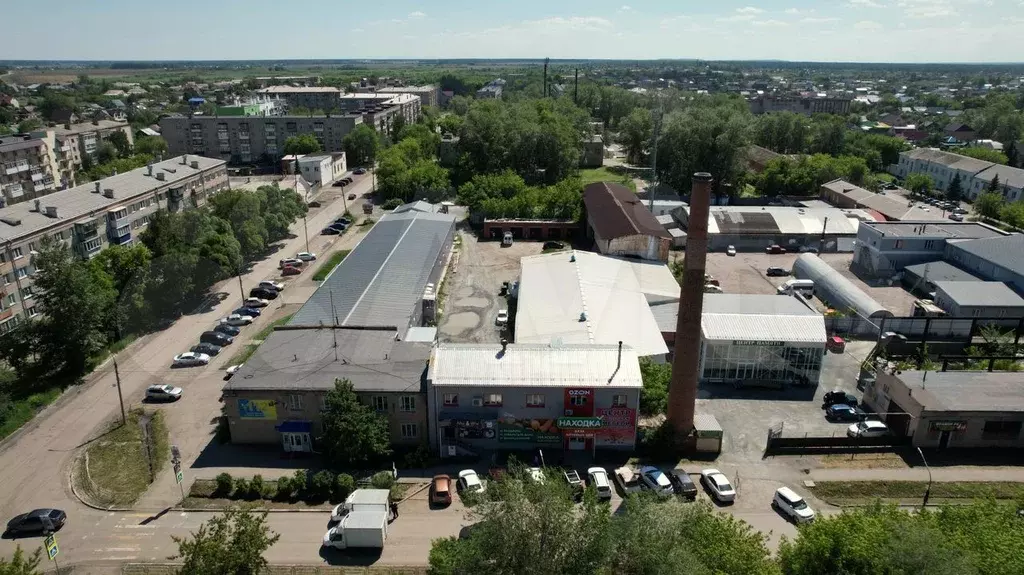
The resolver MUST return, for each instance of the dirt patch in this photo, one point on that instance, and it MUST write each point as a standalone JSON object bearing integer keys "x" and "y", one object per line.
{"x": 863, "y": 461}
{"x": 892, "y": 297}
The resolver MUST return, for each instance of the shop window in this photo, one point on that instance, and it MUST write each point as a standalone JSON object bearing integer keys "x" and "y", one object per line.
{"x": 451, "y": 399}
{"x": 1001, "y": 430}
{"x": 407, "y": 403}
{"x": 535, "y": 400}
{"x": 619, "y": 400}
{"x": 578, "y": 400}
{"x": 379, "y": 402}
{"x": 492, "y": 399}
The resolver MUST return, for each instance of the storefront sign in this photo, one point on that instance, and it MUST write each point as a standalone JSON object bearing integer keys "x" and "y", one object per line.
{"x": 535, "y": 431}
{"x": 578, "y": 392}
{"x": 580, "y": 422}
{"x": 741, "y": 342}
{"x": 619, "y": 426}
{"x": 257, "y": 409}
{"x": 948, "y": 425}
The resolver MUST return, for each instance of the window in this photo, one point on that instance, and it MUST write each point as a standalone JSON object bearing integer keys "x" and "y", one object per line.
{"x": 8, "y": 278}
{"x": 17, "y": 253}
{"x": 31, "y": 246}
{"x": 407, "y": 403}
{"x": 898, "y": 245}
{"x": 409, "y": 431}
{"x": 12, "y": 299}
{"x": 323, "y": 402}
{"x": 3, "y": 258}
{"x": 27, "y": 293}
{"x": 534, "y": 400}
{"x": 578, "y": 400}
{"x": 379, "y": 402}
{"x": 451, "y": 399}
{"x": 492, "y": 399}
{"x": 21, "y": 272}
{"x": 1001, "y": 430}
{"x": 619, "y": 400}
{"x": 294, "y": 402}
{"x": 32, "y": 312}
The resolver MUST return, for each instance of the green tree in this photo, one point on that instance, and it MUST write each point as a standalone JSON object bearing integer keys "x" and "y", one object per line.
{"x": 54, "y": 104}
{"x": 151, "y": 145}
{"x": 106, "y": 152}
{"x": 827, "y": 134}
{"x": 302, "y": 144}
{"x": 919, "y": 183}
{"x": 424, "y": 136}
{"x": 20, "y": 564}
{"x": 983, "y": 153}
{"x": 656, "y": 378}
{"x": 396, "y": 127}
{"x": 993, "y": 186}
{"x": 242, "y": 209}
{"x": 29, "y": 125}
{"x": 989, "y": 204}
{"x": 635, "y": 132}
{"x": 955, "y": 191}
{"x": 232, "y": 543}
{"x": 505, "y": 185}
{"x": 120, "y": 141}
{"x": 361, "y": 146}
{"x": 353, "y": 433}
{"x": 129, "y": 270}
{"x": 703, "y": 139}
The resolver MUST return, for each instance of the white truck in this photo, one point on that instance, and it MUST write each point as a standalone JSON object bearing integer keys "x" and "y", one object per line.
{"x": 363, "y": 500}
{"x": 359, "y": 529}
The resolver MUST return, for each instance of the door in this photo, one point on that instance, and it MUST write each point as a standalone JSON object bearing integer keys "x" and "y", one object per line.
{"x": 944, "y": 439}
{"x": 295, "y": 442}
{"x": 577, "y": 444}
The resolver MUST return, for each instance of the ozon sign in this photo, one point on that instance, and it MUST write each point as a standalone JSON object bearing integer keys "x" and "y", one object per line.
{"x": 579, "y": 392}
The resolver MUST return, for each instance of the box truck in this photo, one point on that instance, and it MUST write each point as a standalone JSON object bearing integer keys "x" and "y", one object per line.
{"x": 360, "y": 530}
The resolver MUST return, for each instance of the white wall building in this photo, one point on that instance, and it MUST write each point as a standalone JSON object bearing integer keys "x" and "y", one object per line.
{"x": 322, "y": 169}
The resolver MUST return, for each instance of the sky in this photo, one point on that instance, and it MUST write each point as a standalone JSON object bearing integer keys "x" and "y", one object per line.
{"x": 803, "y": 30}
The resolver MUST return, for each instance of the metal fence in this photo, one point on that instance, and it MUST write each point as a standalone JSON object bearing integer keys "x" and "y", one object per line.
{"x": 921, "y": 329}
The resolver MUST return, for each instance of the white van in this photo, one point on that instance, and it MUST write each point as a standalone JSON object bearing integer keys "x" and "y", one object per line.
{"x": 802, "y": 287}
{"x": 506, "y": 240}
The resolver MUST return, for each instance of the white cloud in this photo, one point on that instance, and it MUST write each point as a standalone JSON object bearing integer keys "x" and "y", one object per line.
{"x": 793, "y": 11}
{"x": 864, "y": 4}
{"x": 416, "y": 15}
{"x": 927, "y": 8}
{"x": 357, "y": 30}
{"x": 749, "y": 10}
{"x": 770, "y": 23}
{"x": 818, "y": 20}
{"x": 867, "y": 25}
{"x": 741, "y": 14}
{"x": 590, "y": 23}
{"x": 625, "y": 8}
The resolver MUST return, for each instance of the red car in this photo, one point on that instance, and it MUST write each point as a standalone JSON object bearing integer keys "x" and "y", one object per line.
{"x": 775, "y": 249}
{"x": 290, "y": 271}
{"x": 441, "y": 490}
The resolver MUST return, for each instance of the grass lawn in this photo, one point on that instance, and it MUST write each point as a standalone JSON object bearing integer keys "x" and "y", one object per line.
{"x": 749, "y": 191}
{"x": 243, "y": 354}
{"x": 18, "y": 412}
{"x": 591, "y": 175}
{"x": 845, "y": 493}
{"x": 328, "y": 266}
{"x": 118, "y": 464}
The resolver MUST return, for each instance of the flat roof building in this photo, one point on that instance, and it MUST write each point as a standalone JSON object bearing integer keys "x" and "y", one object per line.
{"x": 921, "y": 278}
{"x": 996, "y": 258}
{"x": 884, "y": 249}
{"x": 978, "y": 299}
{"x": 843, "y": 194}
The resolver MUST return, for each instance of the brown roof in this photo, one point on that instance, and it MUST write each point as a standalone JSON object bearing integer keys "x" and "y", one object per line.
{"x": 616, "y": 212}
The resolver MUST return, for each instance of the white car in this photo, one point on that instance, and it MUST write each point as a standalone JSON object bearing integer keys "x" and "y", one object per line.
{"x": 787, "y": 501}
{"x": 255, "y": 302}
{"x": 730, "y": 251}
{"x": 267, "y": 284}
{"x": 599, "y": 479}
{"x": 231, "y": 370}
{"x": 470, "y": 482}
{"x": 189, "y": 359}
{"x": 502, "y": 318}
{"x": 867, "y": 429}
{"x": 306, "y": 256}
{"x": 163, "y": 393}
{"x": 237, "y": 319}
{"x": 628, "y": 480}
{"x": 718, "y": 484}
{"x": 535, "y": 473}
{"x": 956, "y": 217}
{"x": 655, "y": 480}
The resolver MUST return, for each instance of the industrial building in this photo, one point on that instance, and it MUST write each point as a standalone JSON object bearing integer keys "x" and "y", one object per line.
{"x": 978, "y": 299}
{"x": 959, "y": 409}
{"x": 753, "y": 228}
{"x": 800, "y": 104}
{"x": 368, "y": 322}
{"x": 893, "y": 208}
{"x": 576, "y": 297}
{"x": 920, "y": 279}
{"x": 838, "y": 292}
{"x": 620, "y": 224}
{"x": 482, "y": 397}
{"x": 884, "y": 249}
{"x": 995, "y": 258}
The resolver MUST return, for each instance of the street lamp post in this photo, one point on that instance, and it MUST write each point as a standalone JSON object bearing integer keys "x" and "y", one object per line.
{"x": 928, "y": 490}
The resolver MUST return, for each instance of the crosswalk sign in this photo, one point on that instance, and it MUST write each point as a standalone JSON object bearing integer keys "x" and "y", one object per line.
{"x": 51, "y": 546}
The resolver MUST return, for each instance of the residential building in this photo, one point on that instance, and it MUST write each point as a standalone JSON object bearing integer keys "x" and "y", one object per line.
{"x": 884, "y": 248}
{"x": 620, "y": 223}
{"x": 1010, "y": 182}
{"x": 322, "y": 169}
{"x": 593, "y": 152}
{"x": 323, "y": 98}
{"x": 111, "y": 211}
{"x": 482, "y": 397}
{"x": 380, "y": 109}
{"x": 90, "y": 135}
{"x": 960, "y": 409}
{"x": 961, "y": 132}
{"x": 28, "y": 167}
{"x": 428, "y": 95}
{"x": 893, "y": 208}
{"x": 252, "y": 139}
{"x": 994, "y": 258}
{"x": 978, "y": 299}
{"x": 492, "y": 90}
{"x": 364, "y": 324}
{"x": 799, "y": 105}
{"x": 942, "y": 167}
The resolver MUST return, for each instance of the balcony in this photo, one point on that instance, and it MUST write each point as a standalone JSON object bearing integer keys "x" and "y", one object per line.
{"x": 11, "y": 169}
{"x": 38, "y": 176}
{"x": 243, "y": 135}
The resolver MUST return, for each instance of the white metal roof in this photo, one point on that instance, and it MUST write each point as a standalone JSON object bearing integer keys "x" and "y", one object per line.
{"x": 582, "y": 297}
{"x": 766, "y": 327}
{"x": 534, "y": 365}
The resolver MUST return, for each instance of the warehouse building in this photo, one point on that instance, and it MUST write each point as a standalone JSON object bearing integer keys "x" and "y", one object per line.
{"x": 364, "y": 323}
{"x": 966, "y": 409}
{"x": 999, "y": 258}
{"x": 484, "y": 397}
{"x": 885, "y": 248}
{"x": 978, "y": 299}
{"x": 833, "y": 288}
{"x": 620, "y": 223}
{"x": 920, "y": 279}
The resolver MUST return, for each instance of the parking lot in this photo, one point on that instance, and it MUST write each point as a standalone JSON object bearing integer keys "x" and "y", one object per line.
{"x": 473, "y": 298}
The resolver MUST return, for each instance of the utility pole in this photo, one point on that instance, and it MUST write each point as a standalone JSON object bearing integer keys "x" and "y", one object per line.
{"x": 241, "y": 290}
{"x": 576, "y": 88}
{"x": 334, "y": 328}
{"x": 928, "y": 490}
{"x": 654, "y": 160}
{"x": 120, "y": 397}
{"x": 306, "y": 230}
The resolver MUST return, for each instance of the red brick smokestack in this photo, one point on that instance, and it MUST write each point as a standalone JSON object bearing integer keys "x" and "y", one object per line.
{"x": 682, "y": 395}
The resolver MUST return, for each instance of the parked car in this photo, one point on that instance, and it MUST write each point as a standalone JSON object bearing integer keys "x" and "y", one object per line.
{"x": 839, "y": 396}
{"x": 730, "y": 251}
{"x": 249, "y": 311}
{"x": 206, "y": 348}
{"x": 343, "y": 220}
{"x": 347, "y": 179}
{"x": 359, "y": 171}
{"x": 227, "y": 329}
{"x": 775, "y": 249}
{"x": 330, "y": 232}
{"x": 340, "y": 183}
{"x": 306, "y": 256}
{"x": 682, "y": 483}
{"x": 956, "y": 217}
{"x": 290, "y": 271}
{"x": 255, "y": 302}
{"x": 231, "y": 371}
{"x": 655, "y": 480}
{"x": 843, "y": 412}
{"x": 627, "y": 479}
{"x": 718, "y": 484}
{"x": 441, "y": 490}
{"x": 867, "y": 429}
{"x": 44, "y": 521}
{"x": 469, "y": 482}
{"x": 351, "y": 196}
{"x": 777, "y": 272}
{"x": 502, "y": 318}
{"x": 553, "y": 245}
{"x": 237, "y": 319}
{"x": 163, "y": 393}
{"x": 835, "y": 344}
{"x": 808, "y": 250}
{"x": 340, "y": 228}
{"x": 216, "y": 338}
{"x": 787, "y": 501}
{"x": 295, "y": 262}
{"x": 270, "y": 284}
{"x": 959, "y": 210}
{"x": 190, "y": 359}
{"x": 263, "y": 293}
{"x": 314, "y": 204}
{"x": 599, "y": 480}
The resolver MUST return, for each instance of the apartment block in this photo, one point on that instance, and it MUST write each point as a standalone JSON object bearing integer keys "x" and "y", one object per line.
{"x": 248, "y": 139}
{"x": 325, "y": 98}
{"x": 428, "y": 94}
{"x": 28, "y": 167}
{"x": 87, "y": 218}
{"x": 942, "y": 167}
{"x": 380, "y": 109}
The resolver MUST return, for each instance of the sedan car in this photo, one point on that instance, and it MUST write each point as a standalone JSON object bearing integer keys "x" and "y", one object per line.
{"x": 730, "y": 251}
{"x": 839, "y": 396}
{"x": 502, "y": 318}
{"x": 441, "y": 490}
{"x": 956, "y": 217}
{"x": 249, "y": 311}
{"x": 306, "y": 256}
{"x": 330, "y": 232}
{"x": 627, "y": 479}
{"x": 867, "y": 429}
{"x": 843, "y": 412}
{"x": 553, "y": 245}
{"x": 469, "y": 482}
{"x": 189, "y": 359}
{"x": 290, "y": 271}
{"x": 599, "y": 480}
{"x": 236, "y": 319}
{"x": 227, "y": 329}
{"x": 270, "y": 284}
{"x": 344, "y": 221}
{"x": 718, "y": 484}
{"x": 359, "y": 171}
{"x": 263, "y": 293}
{"x": 776, "y": 272}
{"x": 787, "y": 501}
{"x": 206, "y": 348}
{"x": 655, "y": 480}
{"x": 163, "y": 393}
{"x": 43, "y": 521}
{"x": 682, "y": 483}
{"x": 216, "y": 338}
{"x": 255, "y": 302}
{"x": 295, "y": 262}
{"x": 775, "y": 249}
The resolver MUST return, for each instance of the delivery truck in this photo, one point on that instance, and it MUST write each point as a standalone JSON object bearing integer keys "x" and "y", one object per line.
{"x": 363, "y": 500}
{"x": 360, "y": 529}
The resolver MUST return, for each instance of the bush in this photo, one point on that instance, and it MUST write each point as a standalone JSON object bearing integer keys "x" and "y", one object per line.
{"x": 299, "y": 481}
{"x": 256, "y": 487}
{"x": 224, "y": 484}
{"x": 241, "y": 489}
{"x": 419, "y": 458}
{"x": 344, "y": 484}
{"x": 392, "y": 203}
{"x": 284, "y": 489}
{"x": 321, "y": 483}
{"x": 382, "y": 480}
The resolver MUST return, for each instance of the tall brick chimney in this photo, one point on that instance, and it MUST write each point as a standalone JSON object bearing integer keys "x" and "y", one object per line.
{"x": 682, "y": 394}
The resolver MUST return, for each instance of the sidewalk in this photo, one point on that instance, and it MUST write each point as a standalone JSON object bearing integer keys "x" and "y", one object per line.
{"x": 956, "y": 473}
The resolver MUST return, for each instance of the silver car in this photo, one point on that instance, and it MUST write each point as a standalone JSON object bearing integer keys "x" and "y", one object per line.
{"x": 163, "y": 393}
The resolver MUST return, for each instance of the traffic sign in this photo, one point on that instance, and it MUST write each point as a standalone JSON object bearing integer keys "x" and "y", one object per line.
{"x": 51, "y": 546}
{"x": 179, "y": 477}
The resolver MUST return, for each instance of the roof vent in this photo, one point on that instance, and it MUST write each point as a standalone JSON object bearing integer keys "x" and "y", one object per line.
{"x": 184, "y": 160}
{"x": 98, "y": 188}
{"x": 108, "y": 193}
{"x": 51, "y": 211}
{"x": 583, "y": 316}
{"x": 11, "y": 221}
{"x": 160, "y": 176}
{"x": 149, "y": 169}
{"x": 195, "y": 165}
{"x": 39, "y": 204}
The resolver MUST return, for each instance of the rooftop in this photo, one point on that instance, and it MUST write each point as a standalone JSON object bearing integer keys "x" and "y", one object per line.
{"x": 1008, "y": 176}
{"x": 81, "y": 128}
{"x": 781, "y": 220}
{"x": 941, "y": 271}
{"x": 893, "y": 207}
{"x": 617, "y": 212}
{"x": 83, "y": 201}
{"x": 980, "y": 294}
{"x": 533, "y": 365}
{"x": 1005, "y": 251}
{"x": 20, "y": 142}
{"x": 586, "y": 298}
{"x": 965, "y": 391}
{"x": 751, "y": 317}
{"x": 943, "y": 230}
{"x": 949, "y": 159}
{"x": 298, "y": 89}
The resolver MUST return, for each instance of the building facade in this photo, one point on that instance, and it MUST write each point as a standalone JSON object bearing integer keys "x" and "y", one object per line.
{"x": 380, "y": 109}
{"x": 621, "y": 225}
{"x": 323, "y": 98}
{"x": 799, "y": 105}
{"x": 884, "y": 249}
{"x": 999, "y": 258}
{"x": 28, "y": 167}
{"x": 112, "y": 211}
{"x": 246, "y": 140}
{"x": 428, "y": 95}
{"x": 942, "y": 167}
{"x": 978, "y": 299}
